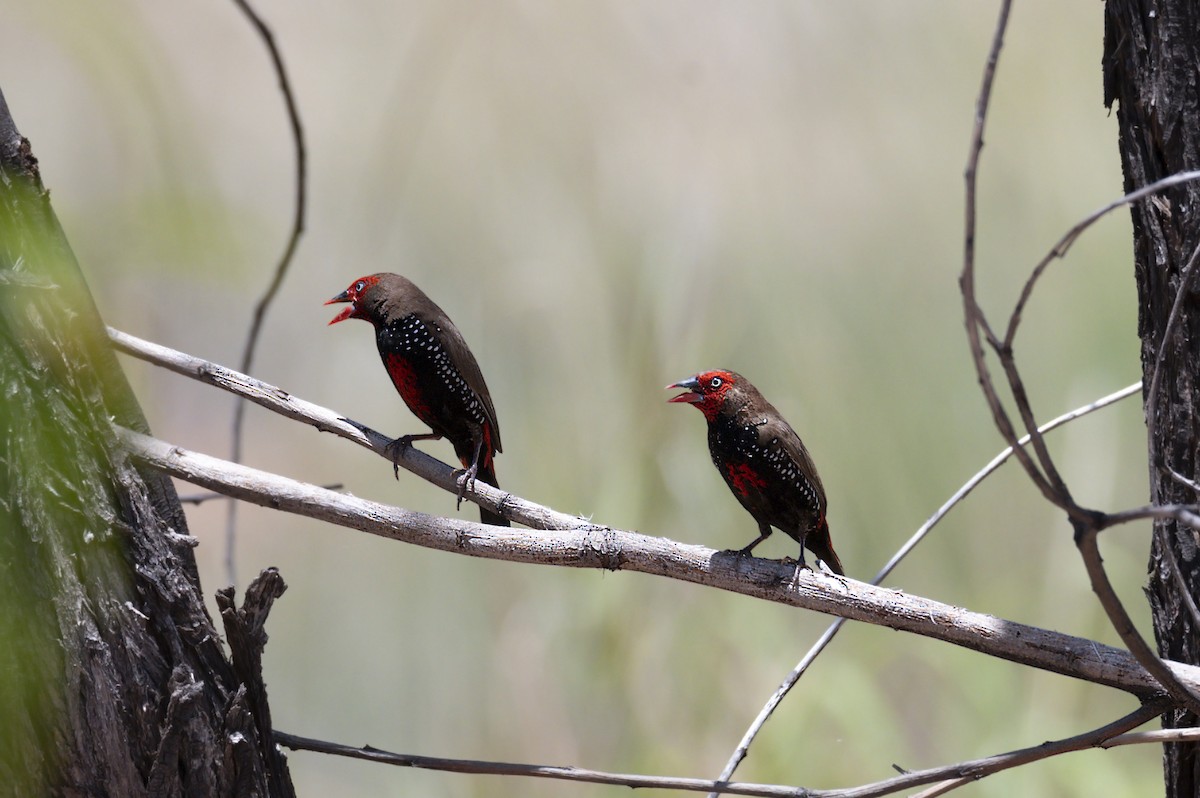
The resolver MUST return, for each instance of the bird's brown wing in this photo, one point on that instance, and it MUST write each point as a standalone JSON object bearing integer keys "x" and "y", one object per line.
{"x": 461, "y": 356}
{"x": 779, "y": 440}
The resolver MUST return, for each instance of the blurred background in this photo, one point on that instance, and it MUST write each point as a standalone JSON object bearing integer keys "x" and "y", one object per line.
{"x": 608, "y": 196}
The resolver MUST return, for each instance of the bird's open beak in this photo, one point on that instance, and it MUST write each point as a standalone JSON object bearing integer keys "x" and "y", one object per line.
{"x": 690, "y": 385}
{"x": 347, "y": 312}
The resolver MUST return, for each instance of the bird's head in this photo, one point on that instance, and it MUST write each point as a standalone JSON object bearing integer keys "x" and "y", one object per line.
{"x": 708, "y": 391}
{"x": 364, "y": 296}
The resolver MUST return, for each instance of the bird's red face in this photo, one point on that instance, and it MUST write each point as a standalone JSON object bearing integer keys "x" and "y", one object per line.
{"x": 355, "y": 296}
{"x": 706, "y": 391}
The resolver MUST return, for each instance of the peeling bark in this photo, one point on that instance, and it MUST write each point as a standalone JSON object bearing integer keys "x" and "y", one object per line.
{"x": 113, "y": 680}
{"x": 1152, "y": 74}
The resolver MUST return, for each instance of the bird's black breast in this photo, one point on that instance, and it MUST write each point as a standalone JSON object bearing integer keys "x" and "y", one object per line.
{"x": 762, "y": 471}
{"x": 424, "y": 372}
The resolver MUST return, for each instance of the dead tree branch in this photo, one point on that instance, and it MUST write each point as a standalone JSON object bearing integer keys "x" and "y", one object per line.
{"x": 595, "y": 546}
{"x": 950, "y": 776}
{"x": 1086, "y": 522}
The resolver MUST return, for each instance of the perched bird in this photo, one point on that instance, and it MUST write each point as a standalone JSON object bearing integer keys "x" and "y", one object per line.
{"x": 434, "y": 372}
{"x": 763, "y": 461}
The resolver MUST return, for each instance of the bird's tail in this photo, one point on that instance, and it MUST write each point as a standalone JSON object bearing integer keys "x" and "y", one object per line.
{"x": 487, "y": 473}
{"x": 818, "y": 543}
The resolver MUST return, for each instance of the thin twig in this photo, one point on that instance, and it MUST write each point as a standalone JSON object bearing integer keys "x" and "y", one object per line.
{"x": 1046, "y": 478}
{"x": 1086, "y": 539}
{"x": 1181, "y": 584}
{"x": 1064, "y": 244}
{"x": 264, "y": 302}
{"x": 1181, "y": 735}
{"x": 826, "y": 638}
{"x": 1182, "y": 480}
{"x": 1184, "y": 513}
{"x": 200, "y": 498}
{"x": 974, "y": 316}
{"x": 1156, "y": 458}
{"x": 962, "y": 772}
{"x": 563, "y": 773}
{"x": 1081, "y": 742}
{"x": 589, "y": 545}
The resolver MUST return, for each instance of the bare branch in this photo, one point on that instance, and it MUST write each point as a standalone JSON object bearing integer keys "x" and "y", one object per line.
{"x": 954, "y": 776}
{"x": 1156, "y": 737}
{"x": 961, "y": 773}
{"x": 1064, "y": 244}
{"x": 1046, "y": 477}
{"x": 976, "y": 320}
{"x": 1086, "y": 539}
{"x": 264, "y": 302}
{"x": 826, "y": 638}
{"x": 1184, "y": 513}
{"x": 540, "y": 771}
{"x": 200, "y": 498}
{"x": 594, "y": 546}
{"x": 325, "y": 420}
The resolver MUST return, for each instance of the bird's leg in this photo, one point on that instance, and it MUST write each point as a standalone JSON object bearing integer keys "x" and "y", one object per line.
{"x": 800, "y": 564}
{"x": 468, "y": 474}
{"x": 764, "y": 533}
{"x": 398, "y": 445}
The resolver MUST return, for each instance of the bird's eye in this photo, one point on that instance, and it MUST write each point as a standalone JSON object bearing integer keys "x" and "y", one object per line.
{"x": 715, "y": 382}
{"x": 360, "y": 285}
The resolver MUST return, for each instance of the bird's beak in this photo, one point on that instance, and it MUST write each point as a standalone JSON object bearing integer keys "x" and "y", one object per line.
{"x": 347, "y": 312}
{"x": 690, "y": 385}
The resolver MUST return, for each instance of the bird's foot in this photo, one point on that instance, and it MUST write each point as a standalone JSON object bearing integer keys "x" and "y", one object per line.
{"x": 466, "y": 481}
{"x": 746, "y": 552}
{"x": 395, "y": 449}
{"x": 801, "y": 565}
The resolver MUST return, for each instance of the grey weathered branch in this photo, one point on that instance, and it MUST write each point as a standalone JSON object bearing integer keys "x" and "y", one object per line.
{"x": 594, "y": 546}
{"x": 325, "y": 420}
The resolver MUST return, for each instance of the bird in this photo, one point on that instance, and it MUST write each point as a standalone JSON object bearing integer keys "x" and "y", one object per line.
{"x": 433, "y": 371}
{"x": 763, "y": 461}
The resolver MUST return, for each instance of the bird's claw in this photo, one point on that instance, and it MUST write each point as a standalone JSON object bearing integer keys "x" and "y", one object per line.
{"x": 466, "y": 481}
{"x": 395, "y": 450}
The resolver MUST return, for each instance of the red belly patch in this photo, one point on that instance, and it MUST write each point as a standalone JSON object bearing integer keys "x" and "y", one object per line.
{"x": 404, "y": 377}
{"x": 742, "y": 477}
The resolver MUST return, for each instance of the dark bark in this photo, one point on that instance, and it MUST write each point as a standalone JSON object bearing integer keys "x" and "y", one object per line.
{"x": 1152, "y": 73}
{"x": 113, "y": 680}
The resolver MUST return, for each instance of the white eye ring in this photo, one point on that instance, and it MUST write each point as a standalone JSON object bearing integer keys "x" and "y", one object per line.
{"x": 715, "y": 382}
{"x": 360, "y": 285}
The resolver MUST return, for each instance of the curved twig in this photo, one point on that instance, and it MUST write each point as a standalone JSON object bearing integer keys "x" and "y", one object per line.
{"x": 962, "y": 773}
{"x": 1185, "y": 280}
{"x": 1064, "y": 244}
{"x": 264, "y": 302}
{"x": 1043, "y": 474}
{"x": 1086, "y": 539}
{"x": 976, "y": 320}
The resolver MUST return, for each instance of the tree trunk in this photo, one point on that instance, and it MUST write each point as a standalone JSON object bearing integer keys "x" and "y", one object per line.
{"x": 1152, "y": 71}
{"x": 113, "y": 680}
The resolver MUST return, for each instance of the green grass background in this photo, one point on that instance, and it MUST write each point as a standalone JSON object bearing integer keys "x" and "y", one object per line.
{"x": 606, "y": 197}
